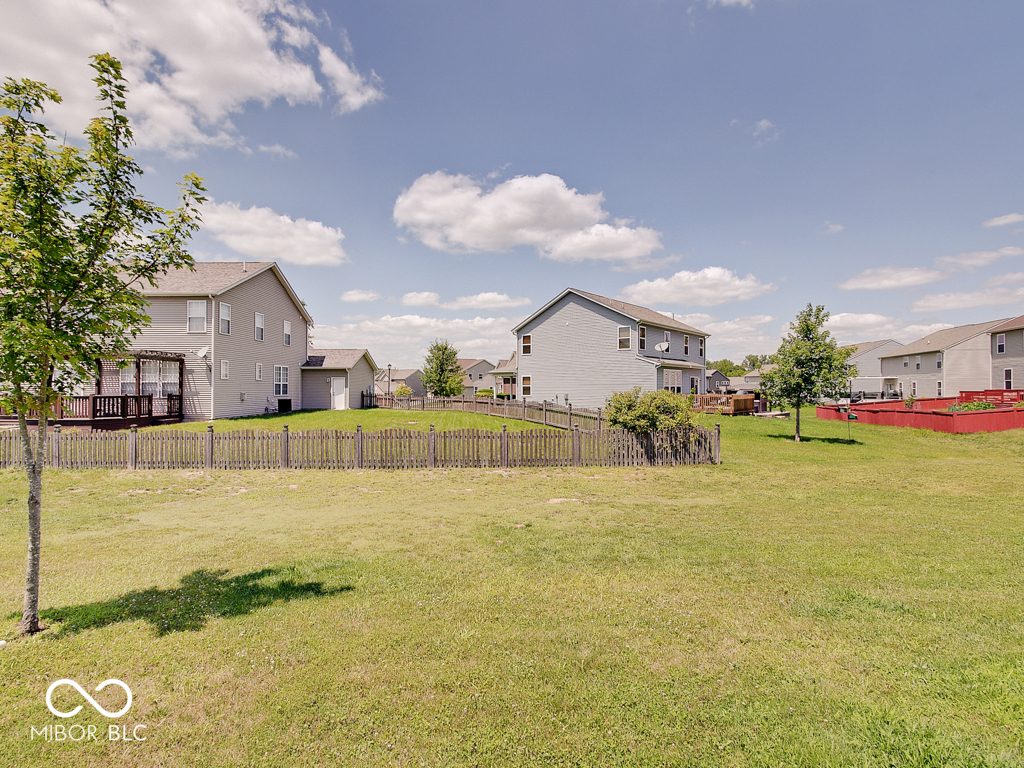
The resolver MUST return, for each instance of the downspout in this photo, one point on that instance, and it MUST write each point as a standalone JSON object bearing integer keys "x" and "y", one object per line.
{"x": 213, "y": 353}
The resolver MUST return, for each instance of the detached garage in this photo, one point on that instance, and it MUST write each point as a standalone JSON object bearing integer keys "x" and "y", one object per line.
{"x": 334, "y": 379}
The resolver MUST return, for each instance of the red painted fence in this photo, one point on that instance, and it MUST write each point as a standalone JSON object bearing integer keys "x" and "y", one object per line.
{"x": 931, "y": 413}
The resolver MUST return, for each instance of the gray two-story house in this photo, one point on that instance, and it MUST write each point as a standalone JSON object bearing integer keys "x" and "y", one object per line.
{"x": 239, "y": 330}
{"x": 867, "y": 356}
{"x": 579, "y": 348}
{"x": 941, "y": 364}
{"x": 1007, "y": 347}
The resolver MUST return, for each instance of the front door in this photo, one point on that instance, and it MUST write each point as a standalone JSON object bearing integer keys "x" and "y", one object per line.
{"x": 338, "y": 390}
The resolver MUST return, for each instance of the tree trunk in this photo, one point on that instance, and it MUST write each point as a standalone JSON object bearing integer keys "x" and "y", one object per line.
{"x": 798, "y": 421}
{"x": 34, "y": 469}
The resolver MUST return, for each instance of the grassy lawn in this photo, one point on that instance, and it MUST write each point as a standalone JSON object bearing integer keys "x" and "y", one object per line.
{"x": 370, "y": 419}
{"x": 820, "y": 604}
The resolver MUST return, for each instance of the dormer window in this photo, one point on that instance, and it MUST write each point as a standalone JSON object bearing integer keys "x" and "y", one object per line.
{"x": 625, "y": 341}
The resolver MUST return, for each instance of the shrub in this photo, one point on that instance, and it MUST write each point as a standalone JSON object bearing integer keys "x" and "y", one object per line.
{"x": 485, "y": 393}
{"x": 981, "y": 406}
{"x": 404, "y": 390}
{"x": 649, "y": 412}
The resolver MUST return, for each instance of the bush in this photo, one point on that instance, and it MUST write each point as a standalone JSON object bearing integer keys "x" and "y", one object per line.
{"x": 485, "y": 393}
{"x": 971, "y": 407}
{"x": 404, "y": 390}
{"x": 656, "y": 411}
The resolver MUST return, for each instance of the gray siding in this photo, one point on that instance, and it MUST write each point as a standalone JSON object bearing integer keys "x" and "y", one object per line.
{"x": 869, "y": 367}
{"x": 360, "y": 380}
{"x": 1012, "y": 358}
{"x": 965, "y": 366}
{"x": 575, "y": 351}
{"x": 316, "y": 385}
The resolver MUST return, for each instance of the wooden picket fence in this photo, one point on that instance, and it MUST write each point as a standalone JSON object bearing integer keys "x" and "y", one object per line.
{"x": 546, "y": 414}
{"x": 384, "y": 449}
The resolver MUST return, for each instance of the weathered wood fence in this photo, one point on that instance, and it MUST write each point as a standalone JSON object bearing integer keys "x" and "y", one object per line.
{"x": 546, "y": 414}
{"x": 385, "y": 449}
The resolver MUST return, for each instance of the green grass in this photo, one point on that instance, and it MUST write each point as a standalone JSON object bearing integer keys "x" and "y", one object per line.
{"x": 820, "y": 604}
{"x": 370, "y": 419}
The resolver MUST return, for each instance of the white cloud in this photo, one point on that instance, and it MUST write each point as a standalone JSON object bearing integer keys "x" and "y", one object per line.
{"x": 977, "y": 258}
{"x": 999, "y": 221}
{"x": 852, "y": 328}
{"x": 191, "y": 64}
{"x": 486, "y": 300}
{"x": 706, "y": 288}
{"x": 263, "y": 235}
{"x": 455, "y": 213}
{"x": 403, "y": 340}
{"x": 892, "y": 277}
{"x": 941, "y": 302}
{"x": 733, "y": 339}
{"x": 421, "y": 299}
{"x": 732, "y": 3}
{"x": 765, "y": 131}
{"x": 277, "y": 149}
{"x": 357, "y": 294}
{"x": 1000, "y": 280}
{"x": 831, "y": 229}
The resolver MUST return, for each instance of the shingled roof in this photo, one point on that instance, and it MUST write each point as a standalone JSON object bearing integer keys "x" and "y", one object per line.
{"x": 944, "y": 339}
{"x": 634, "y": 311}
{"x": 1010, "y": 325}
{"x": 864, "y": 346}
{"x": 335, "y": 358}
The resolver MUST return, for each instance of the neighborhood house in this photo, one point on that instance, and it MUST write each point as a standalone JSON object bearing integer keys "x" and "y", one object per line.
{"x": 336, "y": 379}
{"x": 867, "y": 356}
{"x": 1007, "y": 348}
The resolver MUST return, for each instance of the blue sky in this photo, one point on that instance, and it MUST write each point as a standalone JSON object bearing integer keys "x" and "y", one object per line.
{"x": 444, "y": 169}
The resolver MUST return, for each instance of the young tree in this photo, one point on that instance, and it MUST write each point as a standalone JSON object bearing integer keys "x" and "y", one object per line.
{"x": 442, "y": 374}
{"x": 810, "y": 365}
{"x": 76, "y": 241}
{"x": 655, "y": 411}
{"x": 404, "y": 390}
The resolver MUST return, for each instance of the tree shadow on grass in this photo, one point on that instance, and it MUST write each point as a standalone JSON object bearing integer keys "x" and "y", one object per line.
{"x": 806, "y": 439}
{"x": 202, "y": 594}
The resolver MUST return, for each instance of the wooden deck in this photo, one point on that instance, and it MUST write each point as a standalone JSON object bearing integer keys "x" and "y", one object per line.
{"x": 110, "y": 411}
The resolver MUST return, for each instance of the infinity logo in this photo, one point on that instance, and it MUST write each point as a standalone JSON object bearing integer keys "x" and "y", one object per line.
{"x": 90, "y": 699}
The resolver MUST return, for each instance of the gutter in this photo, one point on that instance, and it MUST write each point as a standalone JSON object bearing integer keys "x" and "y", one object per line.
{"x": 213, "y": 354}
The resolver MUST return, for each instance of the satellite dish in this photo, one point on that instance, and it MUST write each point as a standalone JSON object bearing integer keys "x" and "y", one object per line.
{"x": 662, "y": 347}
{"x": 202, "y": 352}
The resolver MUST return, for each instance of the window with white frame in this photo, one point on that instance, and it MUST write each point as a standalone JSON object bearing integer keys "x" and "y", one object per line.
{"x": 128, "y": 379}
{"x": 917, "y": 363}
{"x": 280, "y": 379}
{"x": 1007, "y": 378}
{"x": 700, "y": 347}
{"x": 938, "y": 389}
{"x": 686, "y": 345}
{"x": 938, "y": 360}
{"x": 197, "y": 316}
{"x": 527, "y": 343}
{"x": 906, "y": 362}
{"x": 900, "y": 386}
{"x": 693, "y": 385}
{"x": 642, "y": 337}
{"x": 259, "y": 371}
{"x": 259, "y": 326}
{"x": 668, "y": 339}
{"x": 624, "y": 337}
{"x": 287, "y": 333}
{"x": 224, "y": 369}
{"x": 225, "y": 318}
{"x": 527, "y": 386}
{"x": 913, "y": 389}
{"x": 1001, "y": 344}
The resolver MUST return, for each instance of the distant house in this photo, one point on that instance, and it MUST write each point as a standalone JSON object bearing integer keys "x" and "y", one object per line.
{"x": 504, "y": 377}
{"x": 739, "y": 385}
{"x": 390, "y": 379}
{"x": 942, "y": 364}
{"x": 335, "y": 379}
{"x": 867, "y": 356}
{"x": 226, "y": 339}
{"x": 476, "y": 374}
{"x": 717, "y": 381}
{"x": 1007, "y": 350}
{"x": 580, "y": 348}
{"x": 752, "y": 379}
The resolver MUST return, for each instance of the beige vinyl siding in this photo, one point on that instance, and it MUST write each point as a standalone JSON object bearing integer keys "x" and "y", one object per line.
{"x": 360, "y": 379}
{"x": 168, "y": 332}
{"x": 1012, "y": 358}
{"x": 968, "y": 366}
{"x": 316, "y": 385}
{"x": 263, "y": 293}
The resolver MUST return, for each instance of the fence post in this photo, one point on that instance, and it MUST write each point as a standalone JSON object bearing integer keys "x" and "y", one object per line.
{"x": 359, "y": 446}
{"x": 524, "y": 409}
{"x": 431, "y": 448}
{"x": 503, "y": 448}
{"x": 286, "y": 458}
{"x": 570, "y": 415}
{"x": 133, "y": 447}
{"x": 209, "y": 446}
{"x": 576, "y": 457}
{"x": 55, "y": 446}
{"x": 545, "y": 414}
{"x": 718, "y": 444}
{"x": 598, "y": 419}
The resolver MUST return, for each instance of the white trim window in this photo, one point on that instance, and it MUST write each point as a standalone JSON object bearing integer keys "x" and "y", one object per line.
{"x": 917, "y": 363}
{"x": 527, "y": 344}
{"x": 1001, "y": 344}
{"x": 225, "y": 318}
{"x": 700, "y": 347}
{"x": 1008, "y": 378}
{"x": 225, "y": 369}
{"x": 259, "y": 371}
{"x": 668, "y": 340}
{"x": 906, "y": 362}
{"x": 625, "y": 337}
{"x": 258, "y": 322}
{"x": 197, "y": 316}
{"x": 527, "y": 388}
{"x": 900, "y": 387}
{"x": 280, "y": 380}
{"x": 938, "y": 360}
{"x": 642, "y": 337}
{"x": 693, "y": 385}
{"x": 287, "y": 333}
{"x": 938, "y": 389}
{"x": 913, "y": 389}
{"x": 686, "y": 345}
